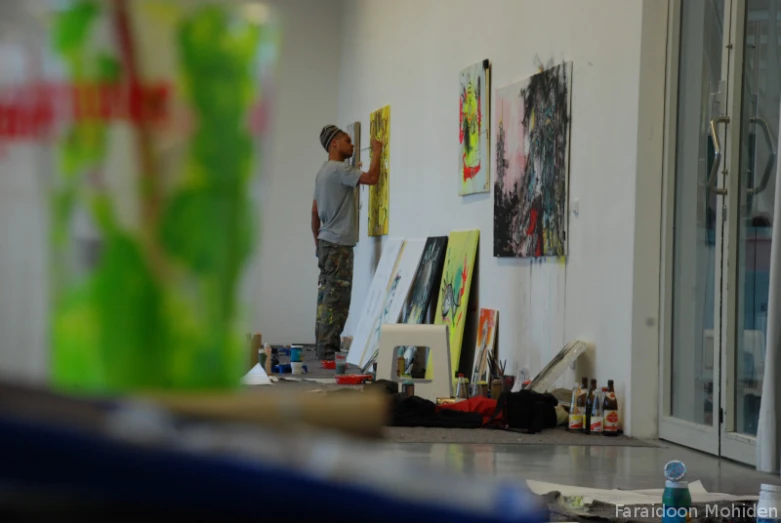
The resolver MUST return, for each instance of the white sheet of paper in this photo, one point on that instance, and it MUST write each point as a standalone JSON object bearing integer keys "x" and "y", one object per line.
{"x": 632, "y": 497}
{"x": 256, "y": 376}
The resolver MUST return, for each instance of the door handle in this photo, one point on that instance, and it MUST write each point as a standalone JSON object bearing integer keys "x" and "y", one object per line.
{"x": 770, "y": 161}
{"x": 711, "y": 183}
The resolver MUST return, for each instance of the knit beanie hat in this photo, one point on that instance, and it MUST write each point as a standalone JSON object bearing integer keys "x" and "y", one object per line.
{"x": 327, "y": 135}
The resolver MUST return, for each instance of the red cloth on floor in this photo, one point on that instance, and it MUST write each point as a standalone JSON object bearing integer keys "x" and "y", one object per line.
{"x": 485, "y": 406}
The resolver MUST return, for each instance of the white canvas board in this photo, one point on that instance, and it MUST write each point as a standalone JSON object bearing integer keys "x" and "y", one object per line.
{"x": 399, "y": 287}
{"x": 375, "y": 299}
{"x": 436, "y": 338}
{"x": 566, "y": 356}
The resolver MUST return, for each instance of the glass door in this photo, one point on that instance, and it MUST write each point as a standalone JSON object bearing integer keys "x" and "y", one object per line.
{"x": 721, "y": 161}
{"x": 701, "y": 106}
{"x": 751, "y": 194}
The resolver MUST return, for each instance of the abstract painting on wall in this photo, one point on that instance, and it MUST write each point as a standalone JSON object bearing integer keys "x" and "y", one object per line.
{"x": 532, "y": 129}
{"x": 474, "y": 111}
{"x": 454, "y": 289}
{"x": 354, "y": 130}
{"x": 486, "y": 334}
{"x": 379, "y": 194}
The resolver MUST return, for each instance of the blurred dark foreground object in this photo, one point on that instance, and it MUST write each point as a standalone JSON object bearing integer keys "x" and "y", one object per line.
{"x": 68, "y": 459}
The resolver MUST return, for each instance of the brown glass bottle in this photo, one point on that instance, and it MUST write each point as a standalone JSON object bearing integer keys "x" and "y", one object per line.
{"x": 592, "y": 391}
{"x": 610, "y": 411}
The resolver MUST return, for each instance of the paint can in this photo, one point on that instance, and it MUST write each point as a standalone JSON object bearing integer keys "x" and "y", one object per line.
{"x": 496, "y": 388}
{"x": 295, "y": 354}
{"x": 341, "y": 367}
{"x": 297, "y": 367}
{"x": 483, "y": 388}
{"x": 408, "y": 388}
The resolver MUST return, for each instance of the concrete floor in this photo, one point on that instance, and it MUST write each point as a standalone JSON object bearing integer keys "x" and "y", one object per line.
{"x": 612, "y": 467}
{"x": 625, "y": 468}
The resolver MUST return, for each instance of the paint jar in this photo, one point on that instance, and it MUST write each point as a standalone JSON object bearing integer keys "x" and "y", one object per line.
{"x": 297, "y": 367}
{"x": 769, "y": 504}
{"x": 341, "y": 367}
{"x": 400, "y": 366}
{"x": 496, "y": 388}
{"x": 483, "y": 387}
{"x": 408, "y": 388}
{"x": 295, "y": 354}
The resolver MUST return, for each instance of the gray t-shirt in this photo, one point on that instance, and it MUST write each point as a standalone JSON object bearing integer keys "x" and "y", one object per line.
{"x": 334, "y": 187}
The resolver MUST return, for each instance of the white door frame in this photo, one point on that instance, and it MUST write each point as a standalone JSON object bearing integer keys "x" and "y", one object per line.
{"x": 706, "y": 438}
{"x": 739, "y": 447}
{"x": 719, "y": 438}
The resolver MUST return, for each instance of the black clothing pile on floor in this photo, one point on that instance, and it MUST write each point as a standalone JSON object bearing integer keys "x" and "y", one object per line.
{"x": 523, "y": 410}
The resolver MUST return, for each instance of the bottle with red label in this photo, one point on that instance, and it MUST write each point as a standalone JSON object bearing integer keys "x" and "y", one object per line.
{"x": 610, "y": 411}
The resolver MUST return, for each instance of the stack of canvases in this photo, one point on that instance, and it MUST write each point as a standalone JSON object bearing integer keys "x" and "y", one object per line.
{"x": 402, "y": 291}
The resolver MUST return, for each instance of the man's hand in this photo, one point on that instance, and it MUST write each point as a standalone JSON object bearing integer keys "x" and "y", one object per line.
{"x": 372, "y": 176}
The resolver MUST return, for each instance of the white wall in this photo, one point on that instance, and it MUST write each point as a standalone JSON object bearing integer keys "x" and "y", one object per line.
{"x": 284, "y": 279}
{"x": 408, "y": 54}
{"x": 23, "y": 259}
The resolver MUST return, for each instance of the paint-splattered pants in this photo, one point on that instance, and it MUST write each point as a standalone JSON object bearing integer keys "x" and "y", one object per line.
{"x": 334, "y": 290}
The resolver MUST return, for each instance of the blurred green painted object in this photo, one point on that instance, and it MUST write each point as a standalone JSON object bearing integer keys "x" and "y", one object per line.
{"x": 152, "y": 222}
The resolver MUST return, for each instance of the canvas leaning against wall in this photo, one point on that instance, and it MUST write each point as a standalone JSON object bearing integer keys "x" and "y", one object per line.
{"x": 426, "y": 280}
{"x": 474, "y": 111}
{"x": 421, "y": 295}
{"x": 532, "y": 128}
{"x": 486, "y": 334}
{"x": 375, "y": 301}
{"x": 454, "y": 290}
{"x": 379, "y": 194}
{"x": 396, "y": 296}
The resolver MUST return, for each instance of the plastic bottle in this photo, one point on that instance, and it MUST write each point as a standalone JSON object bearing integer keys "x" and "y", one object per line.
{"x": 676, "y": 500}
{"x": 610, "y": 411}
{"x": 769, "y": 504}
{"x": 596, "y": 412}
{"x": 461, "y": 389}
{"x": 592, "y": 389}
{"x": 575, "y": 416}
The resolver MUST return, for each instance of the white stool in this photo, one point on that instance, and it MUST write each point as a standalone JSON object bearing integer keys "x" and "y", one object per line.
{"x": 434, "y": 337}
